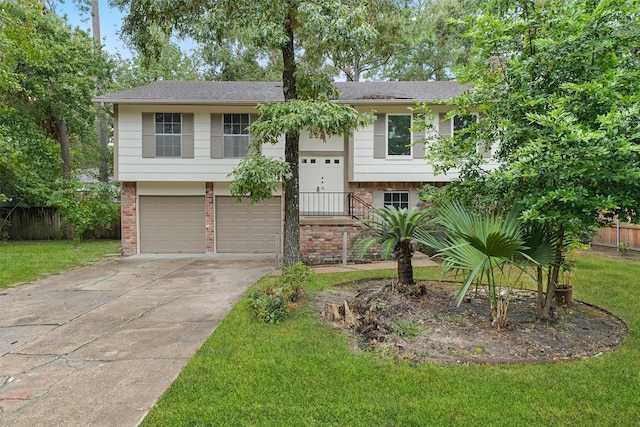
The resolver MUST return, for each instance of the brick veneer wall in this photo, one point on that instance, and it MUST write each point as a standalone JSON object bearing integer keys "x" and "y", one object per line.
{"x": 323, "y": 242}
{"x": 129, "y": 230}
{"x": 365, "y": 190}
{"x": 209, "y": 218}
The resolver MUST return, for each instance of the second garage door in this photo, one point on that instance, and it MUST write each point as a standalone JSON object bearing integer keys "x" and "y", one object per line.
{"x": 172, "y": 224}
{"x": 243, "y": 227}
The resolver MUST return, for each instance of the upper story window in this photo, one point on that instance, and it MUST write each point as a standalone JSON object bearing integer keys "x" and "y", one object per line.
{"x": 236, "y": 135}
{"x": 462, "y": 122}
{"x": 168, "y": 134}
{"x": 397, "y": 199}
{"x": 398, "y": 135}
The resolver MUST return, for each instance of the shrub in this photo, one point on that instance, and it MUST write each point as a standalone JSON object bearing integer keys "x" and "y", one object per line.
{"x": 273, "y": 303}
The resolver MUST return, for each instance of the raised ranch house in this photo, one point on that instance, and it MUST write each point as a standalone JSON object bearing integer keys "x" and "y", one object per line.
{"x": 176, "y": 143}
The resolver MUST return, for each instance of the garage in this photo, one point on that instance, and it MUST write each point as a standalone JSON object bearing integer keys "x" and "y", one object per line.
{"x": 243, "y": 227}
{"x": 172, "y": 224}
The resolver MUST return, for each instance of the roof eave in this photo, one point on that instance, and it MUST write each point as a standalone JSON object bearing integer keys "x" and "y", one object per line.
{"x": 173, "y": 101}
{"x": 158, "y": 101}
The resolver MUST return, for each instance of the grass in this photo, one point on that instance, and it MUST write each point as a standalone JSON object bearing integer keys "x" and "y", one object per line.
{"x": 25, "y": 261}
{"x": 302, "y": 373}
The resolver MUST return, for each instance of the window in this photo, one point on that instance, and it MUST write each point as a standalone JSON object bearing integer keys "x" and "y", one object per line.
{"x": 397, "y": 199}
{"x": 236, "y": 135}
{"x": 168, "y": 134}
{"x": 399, "y": 135}
{"x": 462, "y": 122}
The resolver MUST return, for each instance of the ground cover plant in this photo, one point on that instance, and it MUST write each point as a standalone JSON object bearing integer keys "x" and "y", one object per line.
{"x": 302, "y": 372}
{"x": 25, "y": 261}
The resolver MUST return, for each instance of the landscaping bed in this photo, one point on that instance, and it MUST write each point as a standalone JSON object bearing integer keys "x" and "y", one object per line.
{"x": 432, "y": 328}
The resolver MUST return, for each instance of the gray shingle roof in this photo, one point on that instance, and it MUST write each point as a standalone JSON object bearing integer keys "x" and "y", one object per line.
{"x": 175, "y": 92}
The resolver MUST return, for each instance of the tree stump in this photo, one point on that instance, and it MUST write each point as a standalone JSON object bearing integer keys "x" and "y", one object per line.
{"x": 332, "y": 312}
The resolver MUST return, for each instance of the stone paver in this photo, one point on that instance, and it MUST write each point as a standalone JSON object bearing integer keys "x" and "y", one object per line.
{"x": 98, "y": 346}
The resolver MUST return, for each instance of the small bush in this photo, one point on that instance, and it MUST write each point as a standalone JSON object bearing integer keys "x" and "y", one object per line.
{"x": 267, "y": 305}
{"x": 273, "y": 303}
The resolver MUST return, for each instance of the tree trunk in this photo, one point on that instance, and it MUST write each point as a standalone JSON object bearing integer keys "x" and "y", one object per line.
{"x": 63, "y": 140}
{"x": 540, "y": 282}
{"x": 403, "y": 254}
{"x": 103, "y": 140}
{"x": 552, "y": 277}
{"x": 291, "y": 249}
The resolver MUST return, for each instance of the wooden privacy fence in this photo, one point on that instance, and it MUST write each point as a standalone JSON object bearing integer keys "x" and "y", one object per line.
{"x": 44, "y": 224}
{"x": 626, "y": 233}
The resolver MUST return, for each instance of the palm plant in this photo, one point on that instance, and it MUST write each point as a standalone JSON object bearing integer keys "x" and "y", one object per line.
{"x": 394, "y": 229}
{"x": 479, "y": 246}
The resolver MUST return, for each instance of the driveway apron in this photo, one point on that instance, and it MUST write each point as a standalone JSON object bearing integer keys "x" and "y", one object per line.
{"x": 98, "y": 346}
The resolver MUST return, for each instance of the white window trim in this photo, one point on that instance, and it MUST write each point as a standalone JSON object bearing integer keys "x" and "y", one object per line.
{"x": 399, "y": 192}
{"x": 386, "y": 145}
{"x": 156, "y": 134}
{"x": 234, "y": 134}
{"x": 453, "y": 127}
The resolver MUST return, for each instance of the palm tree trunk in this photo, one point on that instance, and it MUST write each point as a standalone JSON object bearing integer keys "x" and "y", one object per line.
{"x": 403, "y": 254}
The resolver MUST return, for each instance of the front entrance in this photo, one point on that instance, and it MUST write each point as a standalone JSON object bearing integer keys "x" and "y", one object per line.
{"x": 322, "y": 185}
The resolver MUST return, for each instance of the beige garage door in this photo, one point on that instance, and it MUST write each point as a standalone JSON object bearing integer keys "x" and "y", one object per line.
{"x": 172, "y": 224}
{"x": 247, "y": 228}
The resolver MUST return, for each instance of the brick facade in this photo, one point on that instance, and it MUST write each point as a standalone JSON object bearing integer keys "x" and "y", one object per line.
{"x": 322, "y": 240}
{"x": 365, "y": 190}
{"x": 128, "y": 208}
{"x": 209, "y": 218}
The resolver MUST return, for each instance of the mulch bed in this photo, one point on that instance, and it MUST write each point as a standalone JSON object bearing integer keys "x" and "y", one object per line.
{"x": 432, "y": 328}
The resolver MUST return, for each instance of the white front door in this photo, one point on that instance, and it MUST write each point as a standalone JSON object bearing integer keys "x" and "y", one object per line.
{"x": 323, "y": 176}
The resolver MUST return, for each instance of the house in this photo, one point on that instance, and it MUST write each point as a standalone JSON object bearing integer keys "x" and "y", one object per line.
{"x": 176, "y": 143}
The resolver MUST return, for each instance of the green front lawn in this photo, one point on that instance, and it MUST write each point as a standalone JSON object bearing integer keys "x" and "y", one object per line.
{"x": 24, "y": 261}
{"x": 302, "y": 373}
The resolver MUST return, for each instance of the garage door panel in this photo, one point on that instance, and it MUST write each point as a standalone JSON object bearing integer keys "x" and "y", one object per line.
{"x": 247, "y": 228}
{"x": 172, "y": 224}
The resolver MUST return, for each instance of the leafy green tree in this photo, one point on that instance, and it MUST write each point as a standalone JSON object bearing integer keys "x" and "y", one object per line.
{"x": 559, "y": 86}
{"x": 172, "y": 64}
{"x": 395, "y": 230}
{"x": 233, "y": 61}
{"x": 86, "y": 206}
{"x": 371, "y": 44}
{"x": 48, "y": 74}
{"x": 433, "y": 42}
{"x": 29, "y": 161}
{"x": 284, "y": 26}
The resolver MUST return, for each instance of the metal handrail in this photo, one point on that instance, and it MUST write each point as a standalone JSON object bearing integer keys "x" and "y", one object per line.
{"x": 359, "y": 209}
{"x": 324, "y": 204}
{"x": 327, "y": 204}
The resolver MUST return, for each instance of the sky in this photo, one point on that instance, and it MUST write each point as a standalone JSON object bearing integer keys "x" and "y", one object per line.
{"x": 110, "y": 23}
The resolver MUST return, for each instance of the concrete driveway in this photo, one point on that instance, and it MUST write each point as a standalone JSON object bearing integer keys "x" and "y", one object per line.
{"x": 98, "y": 346}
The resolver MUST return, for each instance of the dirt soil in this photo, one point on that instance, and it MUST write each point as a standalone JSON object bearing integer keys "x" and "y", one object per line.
{"x": 432, "y": 328}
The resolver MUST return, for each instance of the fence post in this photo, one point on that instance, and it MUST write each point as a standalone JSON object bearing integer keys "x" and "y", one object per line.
{"x": 344, "y": 248}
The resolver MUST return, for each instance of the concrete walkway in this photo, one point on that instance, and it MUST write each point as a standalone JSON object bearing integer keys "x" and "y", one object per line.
{"x": 418, "y": 260}
{"x": 98, "y": 346}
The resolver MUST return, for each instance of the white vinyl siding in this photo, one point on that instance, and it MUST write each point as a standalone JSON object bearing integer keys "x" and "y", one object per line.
{"x": 199, "y": 168}
{"x": 367, "y": 167}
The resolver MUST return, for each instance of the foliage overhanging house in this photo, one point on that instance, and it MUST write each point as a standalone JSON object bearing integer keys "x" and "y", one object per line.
{"x": 176, "y": 143}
